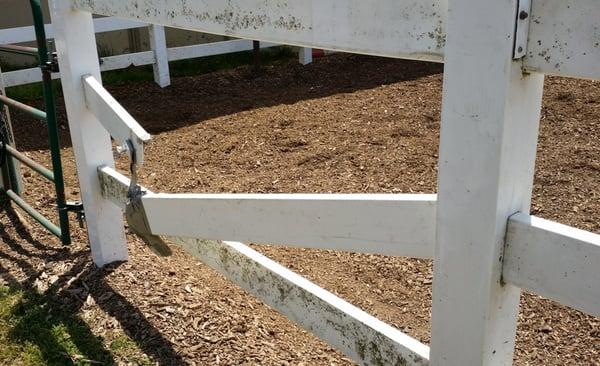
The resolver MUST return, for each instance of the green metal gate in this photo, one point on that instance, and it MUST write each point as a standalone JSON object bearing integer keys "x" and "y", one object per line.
{"x": 48, "y": 64}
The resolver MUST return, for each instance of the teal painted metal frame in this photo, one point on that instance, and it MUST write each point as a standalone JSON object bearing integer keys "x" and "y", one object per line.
{"x": 49, "y": 116}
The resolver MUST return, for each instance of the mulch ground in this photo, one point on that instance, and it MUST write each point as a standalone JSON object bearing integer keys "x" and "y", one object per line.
{"x": 343, "y": 124}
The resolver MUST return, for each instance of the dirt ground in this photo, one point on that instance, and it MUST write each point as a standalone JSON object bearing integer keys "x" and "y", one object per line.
{"x": 343, "y": 124}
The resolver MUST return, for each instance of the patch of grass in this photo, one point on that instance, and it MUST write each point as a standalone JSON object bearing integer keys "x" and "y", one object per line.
{"x": 37, "y": 330}
{"x": 122, "y": 344}
{"x": 181, "y": 68}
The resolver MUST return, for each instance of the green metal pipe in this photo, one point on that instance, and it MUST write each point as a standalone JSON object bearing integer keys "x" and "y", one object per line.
{"x": 40, "y": 31}
{"x": 33, "y": 213}
{"x": 23, "y": 107}
{"x": 47, "y": 173}
{"x": 53, "y": 135}
{"x": 20, "y": 50}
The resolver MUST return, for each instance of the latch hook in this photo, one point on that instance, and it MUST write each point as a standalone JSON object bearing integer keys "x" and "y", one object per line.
{"x": 135, "y": 214}
{"x": 135, "y": 191}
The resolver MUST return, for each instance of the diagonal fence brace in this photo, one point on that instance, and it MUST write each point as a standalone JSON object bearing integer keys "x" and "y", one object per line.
{"x": 114, "y": 118}
{"x": 360, "y": 336}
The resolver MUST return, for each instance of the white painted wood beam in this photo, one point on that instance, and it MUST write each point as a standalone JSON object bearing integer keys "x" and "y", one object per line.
{"x": 213, "y": 48}
{"x": 125, "y": 60}
{"x": 563, "y": 37}
{"x": 390, "y": 224}
{"x": 358, "y": 335}
{"x": 114, "y": 118}
{"x": 114, "y": 186}
{"x": 77, "y": 55}
{"x": 32, "y": 75}
{"x": 411, "y": 29}
{"x": 489, "y": 130}
{"x": 555, "y": 261}
{"x": 27, "y": 34}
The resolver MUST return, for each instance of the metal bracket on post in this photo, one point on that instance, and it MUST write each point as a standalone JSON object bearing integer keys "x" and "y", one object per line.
{"x": 135, "y": 214}
{"x": 522, "y": 29}
{"x": 77, "y": 207}
{"x": 135, "y": 192}
{"x": 51, "y": 65}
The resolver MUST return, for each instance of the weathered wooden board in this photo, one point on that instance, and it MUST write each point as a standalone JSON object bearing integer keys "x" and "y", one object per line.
{"x": 412, "y": 29}
{"x": 488, "y": 135}
{"x": 27, "y": 33}
{"x": 78, "y": 56}
{"x": 564, "y": 35}
{"x": 391, "y": 224}
{"x": 564, "y": 38}
{"x": 113, "y": 117}
{"x": 555, "y": 261}
{"x": 360, "y": 336}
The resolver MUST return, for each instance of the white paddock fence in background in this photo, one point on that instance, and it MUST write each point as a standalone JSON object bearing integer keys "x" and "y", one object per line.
{"x": 159, "y": 55}
{"x": 478, "y": 230}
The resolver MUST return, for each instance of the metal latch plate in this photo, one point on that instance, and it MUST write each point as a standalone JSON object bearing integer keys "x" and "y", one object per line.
{"x": 522, "y": 29}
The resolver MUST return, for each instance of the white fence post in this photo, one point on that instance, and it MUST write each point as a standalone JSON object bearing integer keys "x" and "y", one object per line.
{"x": 489, "y": 131}
{"x": 158, "y": 44}
{"x": 91, "y": 142}
{"x": 305, "y": 55}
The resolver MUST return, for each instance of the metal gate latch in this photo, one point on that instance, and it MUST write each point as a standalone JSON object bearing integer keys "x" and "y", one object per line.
{"x": 77, "y": 207}
{"x": 135, "y": 214}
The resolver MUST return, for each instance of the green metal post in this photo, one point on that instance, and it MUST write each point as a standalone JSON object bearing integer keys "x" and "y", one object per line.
{"x": 53, "y": 137}
{"x": 11, "y": 177}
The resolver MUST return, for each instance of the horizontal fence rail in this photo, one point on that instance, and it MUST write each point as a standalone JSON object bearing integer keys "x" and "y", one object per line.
{"x": 357, "y": 334}
{"x": 556, "y": 46}
{"x": 117, "y": 62}
{"x": 355, "y": 26}
{"x": 546, "y": 258}
{"x": 33, "y": 75}
{"x": 555, "y": 261}
{"x": 27, "y": 34}
{"x": 390, "y": 224}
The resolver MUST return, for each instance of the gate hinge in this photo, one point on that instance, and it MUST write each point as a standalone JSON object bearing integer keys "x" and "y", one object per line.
{"x": 52, "y": 65}
{"x": 77, "y": 207}
{"x": 522, "y": 29}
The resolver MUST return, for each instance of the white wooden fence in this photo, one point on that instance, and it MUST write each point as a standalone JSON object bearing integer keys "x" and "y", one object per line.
{"x": 159, "y": 55}
{"x": 485, "y": 245}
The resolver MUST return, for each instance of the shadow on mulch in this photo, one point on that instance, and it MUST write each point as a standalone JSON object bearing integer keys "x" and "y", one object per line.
{"x": 39, "y": 313}
{"x": 191, "y": 100}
